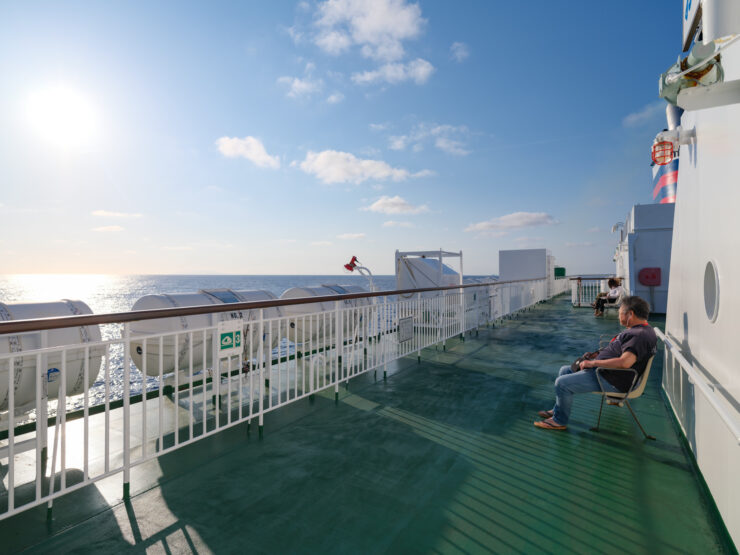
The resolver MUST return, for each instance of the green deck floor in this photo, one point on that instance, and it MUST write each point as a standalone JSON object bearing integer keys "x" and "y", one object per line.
{"x": 441, "y": 457}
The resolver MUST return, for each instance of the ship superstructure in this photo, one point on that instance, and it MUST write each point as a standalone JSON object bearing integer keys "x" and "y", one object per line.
{"x": 702, "y": 378}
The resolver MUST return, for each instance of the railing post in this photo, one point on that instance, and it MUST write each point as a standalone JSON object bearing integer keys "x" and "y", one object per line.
{"x": 437, "y": 315}
{"x": 127, "y": 411}
{"x": 261, "y": 361}
{"x": 11, "y": 434}
{"x": 42, "y": 416}
{"x": 442, "y": 320}
{"x": 462, "y": 313}
{"x": 337, "y": 350}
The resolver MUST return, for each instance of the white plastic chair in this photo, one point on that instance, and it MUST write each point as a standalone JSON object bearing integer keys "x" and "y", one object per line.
{"x": 620, "y": 399}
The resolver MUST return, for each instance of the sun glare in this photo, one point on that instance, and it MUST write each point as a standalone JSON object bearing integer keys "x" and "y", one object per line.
{"x": 63, "y": 117}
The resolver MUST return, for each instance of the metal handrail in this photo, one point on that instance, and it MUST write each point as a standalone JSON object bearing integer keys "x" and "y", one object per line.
{"x": 699, "y": 381}
{"x": 593, "y": 278}
{"x": 39, "y": 324}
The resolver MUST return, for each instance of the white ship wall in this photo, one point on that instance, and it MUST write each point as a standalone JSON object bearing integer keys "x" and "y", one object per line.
{"x": 648, "y": 233}
{"x": 705, "y": 229}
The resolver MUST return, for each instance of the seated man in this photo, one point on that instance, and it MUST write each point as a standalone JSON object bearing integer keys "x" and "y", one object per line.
{"x": 632, "y": 348}
{"x": 615, "y": 291}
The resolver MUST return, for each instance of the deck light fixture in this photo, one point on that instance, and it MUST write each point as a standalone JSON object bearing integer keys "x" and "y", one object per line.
{"x": 662, "y": 153}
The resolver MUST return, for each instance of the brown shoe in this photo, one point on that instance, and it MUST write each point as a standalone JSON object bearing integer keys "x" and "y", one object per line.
{"x": 550, "y": 424}
{"x": 545, "y": 414}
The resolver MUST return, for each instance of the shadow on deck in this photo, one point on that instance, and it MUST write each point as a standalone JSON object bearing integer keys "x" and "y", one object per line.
{"x": 440, "y": 457}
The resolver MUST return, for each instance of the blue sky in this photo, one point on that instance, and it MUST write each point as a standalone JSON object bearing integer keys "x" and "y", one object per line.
{"x": 285, "y": 137}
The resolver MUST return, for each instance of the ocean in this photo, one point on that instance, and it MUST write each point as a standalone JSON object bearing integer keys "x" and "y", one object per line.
{"x": 118, "y": 293}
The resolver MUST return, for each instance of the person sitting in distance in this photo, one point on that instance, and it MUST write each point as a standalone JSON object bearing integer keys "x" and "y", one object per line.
{"x": 615, "y": 291}
{"x": 632, "y": 348}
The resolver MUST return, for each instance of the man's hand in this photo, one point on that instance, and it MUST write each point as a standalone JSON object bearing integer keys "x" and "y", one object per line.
{"x": 627, "y": 360}
{"x": 587, "y": 364}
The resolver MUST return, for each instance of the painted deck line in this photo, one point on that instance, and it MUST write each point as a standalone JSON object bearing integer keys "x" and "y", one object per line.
{"x": 441, "y": 457}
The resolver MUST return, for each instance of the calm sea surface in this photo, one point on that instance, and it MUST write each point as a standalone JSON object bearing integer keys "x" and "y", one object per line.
{"x": 108, "y": 293}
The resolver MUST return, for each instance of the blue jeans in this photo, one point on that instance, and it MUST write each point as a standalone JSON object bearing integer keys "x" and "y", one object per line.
{"x": 567, "y": 384}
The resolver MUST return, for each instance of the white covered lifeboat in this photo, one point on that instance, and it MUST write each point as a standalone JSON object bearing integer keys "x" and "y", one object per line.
{"x": 181, "y": 339}
{"x": 316, "y": 322}
{"x": 25, "y": 364}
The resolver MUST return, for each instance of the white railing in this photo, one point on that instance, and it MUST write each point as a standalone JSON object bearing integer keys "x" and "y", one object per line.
{"x": 674, "y": 359}
{"x": 584, "y": 290}
{"x": 558, "y": 286}
{"x": 63, "y": 428}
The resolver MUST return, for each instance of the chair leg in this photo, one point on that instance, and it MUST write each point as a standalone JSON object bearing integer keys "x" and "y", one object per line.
{"x": 638, "y": 421}
{"x": 601, "y": 408}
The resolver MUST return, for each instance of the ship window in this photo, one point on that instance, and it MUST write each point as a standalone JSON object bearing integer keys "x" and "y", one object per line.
{"x": 711, "y": 291}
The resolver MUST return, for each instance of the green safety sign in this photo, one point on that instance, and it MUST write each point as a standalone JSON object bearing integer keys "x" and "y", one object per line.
{"x": 231, "y": 340}
{"x": 230, "y": 337}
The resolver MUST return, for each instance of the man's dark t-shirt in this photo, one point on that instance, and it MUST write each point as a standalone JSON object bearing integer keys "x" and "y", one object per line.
{"x": 639, "y": 340}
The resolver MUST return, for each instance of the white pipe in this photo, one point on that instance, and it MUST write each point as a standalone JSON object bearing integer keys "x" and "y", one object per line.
{"x": 673, "y": 77}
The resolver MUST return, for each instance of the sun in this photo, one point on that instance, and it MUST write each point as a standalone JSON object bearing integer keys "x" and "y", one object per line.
{"x": 63, "y": 117}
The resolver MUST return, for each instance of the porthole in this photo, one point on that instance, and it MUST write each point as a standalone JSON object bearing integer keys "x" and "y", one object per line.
{"x": 711, "y": 291}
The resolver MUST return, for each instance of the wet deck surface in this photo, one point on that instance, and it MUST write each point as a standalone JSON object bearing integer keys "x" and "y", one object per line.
{"x": 441, "y": 457}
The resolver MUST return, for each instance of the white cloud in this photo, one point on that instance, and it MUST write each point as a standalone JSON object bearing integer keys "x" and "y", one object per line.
{"x": 298, "y": 87}
{"x": 451, "y": 146}
{"x": 320, "y": 243}
{"x": 214, "y": 189}
{"x": 119, "y": 215}
{"x": 647, "y": 114}
{"x": 250, "y": 148}
{"x": 594, "y": 230}
{"x": 395, "y": 205}
{"x": 391, "y": 223}
{"x": 579, "y": 245}
{"x": 108, "y": 228}
{"x": 351, "y": 236}
{"x": 369, "y": 151}
{"x": 378, "y": 27}
{"x": 294, "y": 34}
{"x": 445, "y": 137}
{"x": 333, "y": 42}
{"x": 177, "y": 248}
{"x": 529, "y": 239}
{"x": 459, "y": 51}
{"x": 419, "y": 71}
{"x": 286, "y": 241}
{"x": 514, "y": 220}
{"x": 398, "y": 142}
{"x": 332, "y": 166}
{"x": 335, "y": 98}
{"x": 374, "y": 127}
